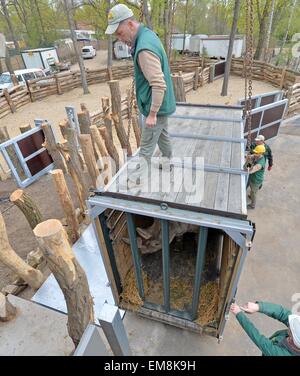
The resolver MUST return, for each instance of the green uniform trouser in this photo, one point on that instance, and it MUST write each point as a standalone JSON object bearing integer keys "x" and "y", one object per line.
{"x": 253, "y": 193}
{"x": 156, "y": 135}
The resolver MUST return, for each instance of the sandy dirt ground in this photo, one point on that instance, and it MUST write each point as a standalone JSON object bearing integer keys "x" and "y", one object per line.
{"x": 53, "y": 109}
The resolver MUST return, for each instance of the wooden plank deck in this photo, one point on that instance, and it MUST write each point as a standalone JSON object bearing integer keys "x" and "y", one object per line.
{"x": 222, "y": 192}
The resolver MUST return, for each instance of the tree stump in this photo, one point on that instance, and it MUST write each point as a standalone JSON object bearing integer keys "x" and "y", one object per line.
{"x": 63, "y": 126}
{"x": 7, "y": 310}
{"x": 8, "y": 256}
{"x": 69, "y": 274}
{"x": 66, "y": 202}
{"x": 50, "y": 145}
{"x": 27, "y": 206}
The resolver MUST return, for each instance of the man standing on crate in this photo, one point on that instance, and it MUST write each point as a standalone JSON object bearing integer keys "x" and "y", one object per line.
{"x": 285, "y": 342}
{"x": 153, "y": 84}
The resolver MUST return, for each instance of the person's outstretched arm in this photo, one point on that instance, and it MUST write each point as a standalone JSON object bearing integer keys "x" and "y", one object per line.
{"x": 275, "y": 311}
{"x": 266, "y": 346}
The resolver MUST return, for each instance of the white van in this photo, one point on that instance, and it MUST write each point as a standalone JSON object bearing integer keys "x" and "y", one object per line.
{"x": 22, "y": 75}
{"x": 88, "y": 52}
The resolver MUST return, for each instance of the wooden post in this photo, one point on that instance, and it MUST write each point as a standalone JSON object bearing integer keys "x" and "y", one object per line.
{"x": 179, "y": 90}
{"x": 196, "y": 79}
{"x": 109, "y": 73}
{"x": 69, "y": 274}
{"x": 211, "y": 73}
{"x": 27, "y": 206}
{"x": 29, "y": 91}
{"x": 8, "y": 256}
{"x": 66, "y": 202}
{"x": 50, "y": 145}
{"x": 58, "y": 87}
{"x": 116, "y": 102}
{"x": 87, "y": 151}
{"x": 107, "y": 118}
{"x": 281, "y": 85}
{"x": 84, "y": 122}
{"x": 98, "y": 141}
{"x": 74, "y": 167}
{"x": 136, "y": 129}
{"x": 7, "y": 310}
{"x": 84, "y": 108}
{"x": 63, "y": 126}
{"x": 9, "y": 100}
{"x": 110, "y": 147}
{"x": 121, "y": 133}
{"x": 25, "y": 128}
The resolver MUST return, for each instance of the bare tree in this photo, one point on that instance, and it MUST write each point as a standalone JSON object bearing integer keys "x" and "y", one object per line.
{"x": 185, "y": 23}
{"x": 69, "y": 14}
{"x": 109, "y": 38}
{"x": 292, "y": 9}
{"x": 230, "y": 47}
{"x": 263, "y": 16}
{"x": 147, "y": 14}
{"x": 267, "y": 40}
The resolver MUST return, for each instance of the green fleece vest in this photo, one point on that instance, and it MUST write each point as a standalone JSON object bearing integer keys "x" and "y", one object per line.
{"x": 148, "y": 40}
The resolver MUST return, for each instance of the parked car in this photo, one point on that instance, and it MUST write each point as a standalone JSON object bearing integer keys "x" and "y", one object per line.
{"x": 88, "y": 52}
{"x": 22, "y": 76}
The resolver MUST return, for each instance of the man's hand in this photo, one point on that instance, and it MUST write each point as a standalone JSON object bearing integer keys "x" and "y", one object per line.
{"x": 235, "y": 309}
{"x": 269, "y": 168}
{"x": 250, "y": 307}
{"x": 151, "y": 120}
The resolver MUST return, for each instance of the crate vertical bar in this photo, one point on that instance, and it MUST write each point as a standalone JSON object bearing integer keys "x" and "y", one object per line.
{"x": 135, "y": 254}
{"x": 110, "y": 250}
{"x": 166, "y": 263}
{"x": 201, "y": 248}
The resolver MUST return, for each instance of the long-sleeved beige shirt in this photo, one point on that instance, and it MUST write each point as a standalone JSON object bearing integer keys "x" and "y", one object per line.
{"x": 151, "y": 67}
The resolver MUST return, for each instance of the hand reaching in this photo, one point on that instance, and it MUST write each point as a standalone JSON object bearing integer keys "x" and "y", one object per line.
{"x": 250, "y": 307}
{"x": 235, "y": 309}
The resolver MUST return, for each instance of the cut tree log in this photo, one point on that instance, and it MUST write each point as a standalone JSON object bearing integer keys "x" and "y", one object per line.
{"x": 25, "y": 128}
{"x": 66, "y": 202}
{"x": 70, "y": 276}
{"x": 85, "y": 126}
{"x": 63, "y": 126}
{"x": 89, "y": 158}
{"x": 110, "y": 147}
{"x": 27, "y": 206}
{"x": 103, "y": 152}
{"x": 8, "y": 256}
{"x": 179, "y": 89}
{"x": 107, "y": 118}
{"x": 50, "y": 145}
{"x": 7, "y": 310}
{"x": 121, "y": 133}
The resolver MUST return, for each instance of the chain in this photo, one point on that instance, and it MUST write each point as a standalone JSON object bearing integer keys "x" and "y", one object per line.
{"x": 131, "y": 98}
{"x": 248, "y": 65}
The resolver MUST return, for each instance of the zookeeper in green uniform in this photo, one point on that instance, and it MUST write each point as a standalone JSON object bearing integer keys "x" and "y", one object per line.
{"x": 256, "y": 173}
{"x": 285, "y": 342}
{"x": 153, "y": 82}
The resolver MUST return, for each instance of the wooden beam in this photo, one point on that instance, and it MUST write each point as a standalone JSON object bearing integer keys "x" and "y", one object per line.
{"x": 110, "y": 147}
{"x": 70, "y": 276}
{"x": 9, "y": 100}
